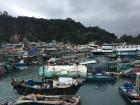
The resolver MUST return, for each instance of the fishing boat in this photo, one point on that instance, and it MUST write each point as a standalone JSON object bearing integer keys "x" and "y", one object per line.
{"x": 21, "y": 64}
{"x": 37, "y": 99}
{"x": 131, "y": 92}
{"x": 128, "y": 92}
{"x": 63, "y": 86}
{"x": 100, "y": 77}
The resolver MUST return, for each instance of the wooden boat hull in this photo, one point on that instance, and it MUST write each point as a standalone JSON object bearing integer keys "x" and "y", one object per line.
{"x": 24, "y": 90}
{"x": 48, "y": 100}
{"x": 34, "y": 103}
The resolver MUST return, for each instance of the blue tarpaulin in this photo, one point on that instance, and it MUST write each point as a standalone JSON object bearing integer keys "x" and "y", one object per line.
{"x": 100, "y": 70}
{"x": 33, "y": 52}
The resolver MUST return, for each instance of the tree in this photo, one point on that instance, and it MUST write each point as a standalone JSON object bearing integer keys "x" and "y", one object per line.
{"x": 66, "y": 30}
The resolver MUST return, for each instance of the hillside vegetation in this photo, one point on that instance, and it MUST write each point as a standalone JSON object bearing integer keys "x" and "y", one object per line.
{"x": 66, "y": 30}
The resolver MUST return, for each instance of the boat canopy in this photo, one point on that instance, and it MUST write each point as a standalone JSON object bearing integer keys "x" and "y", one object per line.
{"x": 63, "y": 70}
{"x": 138, "y": 74}
{"x": 33, "y": 51}
{"x": 45, "y": 72}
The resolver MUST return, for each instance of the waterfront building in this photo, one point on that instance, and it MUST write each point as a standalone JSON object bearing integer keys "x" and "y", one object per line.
{"x": 127, "y": 50}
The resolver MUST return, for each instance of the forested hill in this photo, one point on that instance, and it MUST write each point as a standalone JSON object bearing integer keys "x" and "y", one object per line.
{"x": 53, "y": 29}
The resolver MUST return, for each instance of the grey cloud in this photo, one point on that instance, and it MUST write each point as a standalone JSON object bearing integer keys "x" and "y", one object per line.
{"x": 5, "y": 8}
{"x": 117, "y": 16}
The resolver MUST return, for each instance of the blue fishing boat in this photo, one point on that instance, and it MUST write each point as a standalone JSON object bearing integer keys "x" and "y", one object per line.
{"x": 100, "y": 75}
{"x": 130, "y": 92}
{"x": 22, "y": 65}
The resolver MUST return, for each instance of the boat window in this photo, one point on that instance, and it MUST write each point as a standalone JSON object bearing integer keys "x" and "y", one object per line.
{"x": 119, "y": 46}
{"x": 123, "y": 46}
{"x": 136, "y": 46}
{"x": 9, "y": 46}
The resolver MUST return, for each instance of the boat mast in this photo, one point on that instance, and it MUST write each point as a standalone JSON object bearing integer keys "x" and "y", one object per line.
{"x": 43, "y": 67}
{"x": 137, "y": 81}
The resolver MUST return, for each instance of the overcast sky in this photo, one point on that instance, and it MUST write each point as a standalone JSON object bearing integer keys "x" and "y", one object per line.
{"x": 116, "y": 16}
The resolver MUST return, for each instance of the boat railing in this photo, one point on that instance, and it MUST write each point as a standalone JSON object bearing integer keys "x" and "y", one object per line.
{"x": 32, "y": 77}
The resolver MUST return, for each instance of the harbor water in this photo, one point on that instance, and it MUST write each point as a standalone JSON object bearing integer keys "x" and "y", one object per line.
{"x": 90, "y": 93}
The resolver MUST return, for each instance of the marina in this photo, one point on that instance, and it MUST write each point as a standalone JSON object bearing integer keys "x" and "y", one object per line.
{"x": 69, "y": 52}
{"x": 47, "y": 71}
{"x": 95, "y": 91}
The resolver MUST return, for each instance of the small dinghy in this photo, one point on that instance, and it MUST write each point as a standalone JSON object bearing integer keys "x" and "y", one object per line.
{"x": 37, "y": 99}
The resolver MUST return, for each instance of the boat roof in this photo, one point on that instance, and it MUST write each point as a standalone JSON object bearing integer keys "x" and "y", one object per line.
{"x": 138, "y": 74}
